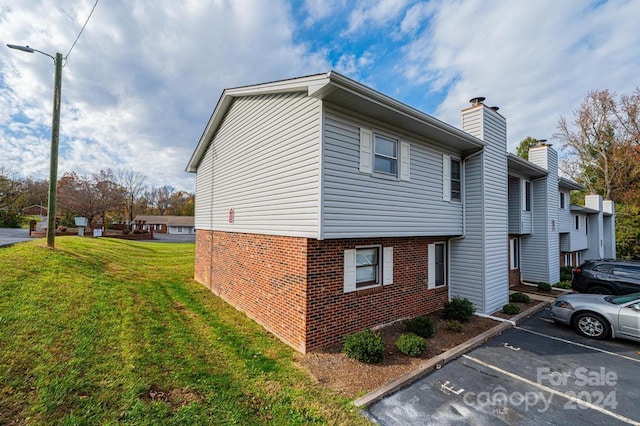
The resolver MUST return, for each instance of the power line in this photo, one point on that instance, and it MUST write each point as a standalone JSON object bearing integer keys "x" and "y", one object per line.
{"x": 80, "y": 33}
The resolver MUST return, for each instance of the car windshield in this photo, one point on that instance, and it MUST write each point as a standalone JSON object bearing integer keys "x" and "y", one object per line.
{"x": 620, "y": 300}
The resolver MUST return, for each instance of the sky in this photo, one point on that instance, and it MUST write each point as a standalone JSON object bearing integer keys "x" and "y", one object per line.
{"x": 140, "y": 84}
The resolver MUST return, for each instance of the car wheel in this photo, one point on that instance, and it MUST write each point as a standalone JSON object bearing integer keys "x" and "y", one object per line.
{"x": 599, "y": 290}
{"x": 591, "y": 325}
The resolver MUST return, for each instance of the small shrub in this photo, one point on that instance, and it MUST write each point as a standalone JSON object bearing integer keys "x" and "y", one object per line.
{"x": 520, "y": 297}
{"x": 546, "y": 287}
{"x": 566, "y": 273}
{"x": 454, "y": 325}
{"x": 411, "y": 344}
{"x": 511, "y": 309}
{"x": 365, "y": 346}
{"x": 458, "y": 309}
{"x": 564, "y": 284}
{"x": 422, "y": 326}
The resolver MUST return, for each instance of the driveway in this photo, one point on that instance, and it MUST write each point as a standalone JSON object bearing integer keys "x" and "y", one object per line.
{"x": 9, "y": 236}
{"x": 537, "y": 373}
{"x": 172, "y": 238}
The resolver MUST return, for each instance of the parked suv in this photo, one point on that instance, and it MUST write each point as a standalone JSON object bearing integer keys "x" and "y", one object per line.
{"x": 607, "y": 276}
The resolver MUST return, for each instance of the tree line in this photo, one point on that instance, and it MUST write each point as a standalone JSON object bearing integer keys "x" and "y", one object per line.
{"x": 601, "y": 151}
{"x": 107, "y": 197}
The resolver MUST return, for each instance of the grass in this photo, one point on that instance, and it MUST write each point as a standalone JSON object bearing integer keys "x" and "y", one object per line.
{"x": 113, "y": 331}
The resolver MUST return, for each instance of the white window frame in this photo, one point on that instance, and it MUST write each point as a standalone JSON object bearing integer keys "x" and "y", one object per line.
{"x": 384, "y": 273}
{"x": 368, "y": 155}
{"x": 514, "y": 253}
{"x": 577, "y": 221}
{"x": 395, "y": 160}
{"x": 563, "y": 202}
{"x": 432, "y": 265}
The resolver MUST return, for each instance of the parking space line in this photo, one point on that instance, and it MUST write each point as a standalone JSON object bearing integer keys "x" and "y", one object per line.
{"x": 579, "y": 344}
{"x": 553, "y": 391}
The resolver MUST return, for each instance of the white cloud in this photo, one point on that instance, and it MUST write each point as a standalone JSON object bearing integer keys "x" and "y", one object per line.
{"x": 143, "y": 79}
{"x": 536, "y": 60}
{"x": 376, "y": 13}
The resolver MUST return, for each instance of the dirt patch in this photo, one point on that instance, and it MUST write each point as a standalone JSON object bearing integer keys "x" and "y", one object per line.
{"x": 352, "y": 378}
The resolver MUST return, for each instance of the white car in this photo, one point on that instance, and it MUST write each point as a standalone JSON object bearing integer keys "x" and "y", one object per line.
{"x": 600, "y": 316}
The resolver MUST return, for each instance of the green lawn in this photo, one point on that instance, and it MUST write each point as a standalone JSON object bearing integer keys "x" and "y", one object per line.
{"x": 112, "y": 331}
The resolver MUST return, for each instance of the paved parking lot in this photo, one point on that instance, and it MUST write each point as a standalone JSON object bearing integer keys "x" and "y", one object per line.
{"x": 537, "y": 373}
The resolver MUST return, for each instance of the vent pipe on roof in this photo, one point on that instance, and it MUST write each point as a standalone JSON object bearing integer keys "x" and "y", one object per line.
{"x": 495, "y": 108}
{"x": 477, "y": 101}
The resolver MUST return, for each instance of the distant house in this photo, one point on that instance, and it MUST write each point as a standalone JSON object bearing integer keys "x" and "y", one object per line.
{"x": 35, "y": 210}
{"x": 165, "y": 224}
{"x": 324, "y": 207}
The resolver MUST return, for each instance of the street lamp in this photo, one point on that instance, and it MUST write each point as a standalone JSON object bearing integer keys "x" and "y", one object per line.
{"x": 55, "y": 132}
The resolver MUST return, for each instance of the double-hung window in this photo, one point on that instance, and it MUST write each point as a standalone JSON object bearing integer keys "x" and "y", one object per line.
{"x": 385, "y": 155}
{"x": 367, "y": 266}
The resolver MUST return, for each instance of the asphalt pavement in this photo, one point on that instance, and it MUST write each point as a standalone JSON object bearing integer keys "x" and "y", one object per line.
{"x": 9, "y": 236}
{"x": 536, "y": 373}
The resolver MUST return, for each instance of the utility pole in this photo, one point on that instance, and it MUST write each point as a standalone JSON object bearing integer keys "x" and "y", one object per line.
{"x": 55, "y": 134}
{"x": 53, "y": 169}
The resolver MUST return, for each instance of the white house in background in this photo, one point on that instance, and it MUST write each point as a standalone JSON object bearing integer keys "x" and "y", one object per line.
{"x": 324, "y": 207}
{"x": 165, "y": 224}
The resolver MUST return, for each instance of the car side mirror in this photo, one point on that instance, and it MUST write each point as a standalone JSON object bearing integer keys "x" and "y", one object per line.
{"x": 635, "y": 307}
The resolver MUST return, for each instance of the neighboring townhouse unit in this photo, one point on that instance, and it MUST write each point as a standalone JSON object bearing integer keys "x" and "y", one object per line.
{"x": 546, "y": 231}
{"x": 324, "y": 207}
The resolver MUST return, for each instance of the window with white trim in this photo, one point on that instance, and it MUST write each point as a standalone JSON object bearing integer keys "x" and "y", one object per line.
{"x": 385, "y": 155}
{"x": 514, "y": 253}
{"x": 437, "y": 265}
{"x": 562, "y": 200}
{"x": 456, "y": 179}
{"x": 577, "y": 224}
{"x": 368, "y": 266}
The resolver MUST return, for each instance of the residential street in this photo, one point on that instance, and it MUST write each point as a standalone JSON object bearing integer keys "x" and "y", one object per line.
{"x": 10, "y": 236}
{"x": 537, "y": 373}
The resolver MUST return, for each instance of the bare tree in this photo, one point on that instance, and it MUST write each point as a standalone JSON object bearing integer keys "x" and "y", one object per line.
{"x": 604, "y": 143}
{"x": 133, "y": 185}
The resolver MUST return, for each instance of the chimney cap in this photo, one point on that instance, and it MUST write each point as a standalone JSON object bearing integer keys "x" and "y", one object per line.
{"x": 478, "y": 100}
{"x": 495, "y": 108}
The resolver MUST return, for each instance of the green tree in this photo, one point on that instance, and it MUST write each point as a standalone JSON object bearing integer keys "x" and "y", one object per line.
{"x": 522, "y": 150}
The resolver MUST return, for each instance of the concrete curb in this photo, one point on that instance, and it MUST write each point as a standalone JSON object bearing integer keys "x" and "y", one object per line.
{"x": 439, "y": 360}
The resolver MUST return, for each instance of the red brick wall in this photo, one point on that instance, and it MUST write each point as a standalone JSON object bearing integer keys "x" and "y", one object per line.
{"x": 263, "y": 276}
{"x": 294, "y": 287}
{"x": 334, "y": 314}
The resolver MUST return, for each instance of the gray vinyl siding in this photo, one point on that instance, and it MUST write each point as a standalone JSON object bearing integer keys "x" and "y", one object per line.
{"x": 204, "y": 192}
{"x": 533, "y": 248}
{"x": 496, "y": 215}
{"x": 265, "y": 165}
{"x": 515, "y": 205}
{"x": 466, "y": 256}
{"x": 575, "y": 240}
{"x": 480, "y": 260}
{"x": 358, "y": 205}
{"x": 564, "y": 215}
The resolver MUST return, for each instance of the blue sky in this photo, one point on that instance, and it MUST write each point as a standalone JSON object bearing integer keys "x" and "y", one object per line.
{"x": 141, "y": 83}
